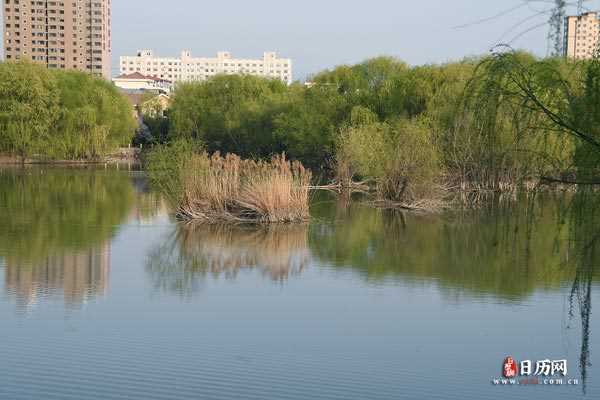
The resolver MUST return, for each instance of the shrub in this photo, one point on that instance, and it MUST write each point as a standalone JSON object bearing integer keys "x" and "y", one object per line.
{"x": 400, "y": 157}
{"x": 166, "y": 166}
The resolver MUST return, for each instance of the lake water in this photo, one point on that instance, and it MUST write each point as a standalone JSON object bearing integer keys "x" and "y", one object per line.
{"x": 104, "y": 296}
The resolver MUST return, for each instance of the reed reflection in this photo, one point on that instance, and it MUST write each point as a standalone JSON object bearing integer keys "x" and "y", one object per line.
{"x": 193, "y": 252}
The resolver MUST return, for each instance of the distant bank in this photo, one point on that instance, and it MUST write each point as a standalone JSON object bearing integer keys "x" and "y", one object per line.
{"x": 123, "y": 155}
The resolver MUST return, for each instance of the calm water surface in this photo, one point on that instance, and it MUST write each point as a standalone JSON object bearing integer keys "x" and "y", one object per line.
{"x": 104, "y": 296}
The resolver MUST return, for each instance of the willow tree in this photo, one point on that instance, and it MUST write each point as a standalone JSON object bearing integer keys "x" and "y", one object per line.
{"x": 567, "y": 100}
{"x": 95, "y": 119}
{"x": 550, "y": 107}
{"x": 228, "y": 113}
{"x": 28, "y": 107}
{"x": 60, "y": 114}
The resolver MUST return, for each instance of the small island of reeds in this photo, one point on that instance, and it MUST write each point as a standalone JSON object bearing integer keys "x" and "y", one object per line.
{"x": 215, "y": 188}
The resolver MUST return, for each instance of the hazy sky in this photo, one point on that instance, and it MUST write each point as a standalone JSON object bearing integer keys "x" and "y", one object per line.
{"x": 319, "y": 34}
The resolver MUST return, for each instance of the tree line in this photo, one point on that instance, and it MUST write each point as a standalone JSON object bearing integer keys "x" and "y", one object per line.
{"x": 467, "y": 124}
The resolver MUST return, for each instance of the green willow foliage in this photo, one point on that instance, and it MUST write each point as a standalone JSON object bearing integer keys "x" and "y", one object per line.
{"x": 228, "y": 113}
{"x": 28, "y": 106}
{"x": 60, "y": 115}
{"x": 585, "y": 115}
{"x": 551, "y": 106}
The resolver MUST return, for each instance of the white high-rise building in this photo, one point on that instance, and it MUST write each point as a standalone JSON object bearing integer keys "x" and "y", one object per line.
{"x": 187, "y": 68}
{"x": 582, "y": 33}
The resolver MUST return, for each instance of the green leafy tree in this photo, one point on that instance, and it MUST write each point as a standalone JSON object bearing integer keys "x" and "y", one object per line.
{"x": 228, "y": 113}
{"x": 29, "y": 105}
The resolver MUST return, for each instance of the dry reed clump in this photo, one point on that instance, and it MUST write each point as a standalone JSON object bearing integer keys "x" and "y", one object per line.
{"x": 217, "y": 189}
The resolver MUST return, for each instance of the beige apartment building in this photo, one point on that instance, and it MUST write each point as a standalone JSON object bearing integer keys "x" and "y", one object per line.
{"x": 582, "y": 34}
{"x": 70, "y": 34}
{"x": 187, "y": 68}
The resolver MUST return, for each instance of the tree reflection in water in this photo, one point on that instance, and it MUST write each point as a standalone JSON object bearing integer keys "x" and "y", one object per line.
{"x": 505, "y": 249}
{"x": 56, "y": 230}
{"x": 193, "y": 252}
{"x": 585, "y": 237}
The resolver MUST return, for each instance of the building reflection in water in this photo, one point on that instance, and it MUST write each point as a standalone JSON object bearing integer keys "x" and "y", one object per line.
{"x": 193, "y": 252}
{"x": 77, "y": 276}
